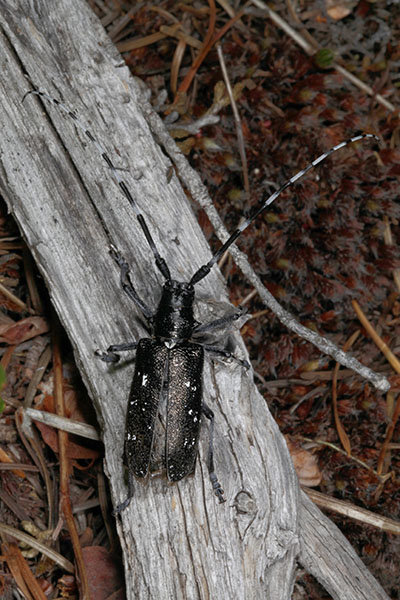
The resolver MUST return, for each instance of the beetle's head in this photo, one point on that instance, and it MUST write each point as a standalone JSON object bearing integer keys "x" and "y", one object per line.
{"x": 174, "y": 320}
{"x": 178, "y": 293}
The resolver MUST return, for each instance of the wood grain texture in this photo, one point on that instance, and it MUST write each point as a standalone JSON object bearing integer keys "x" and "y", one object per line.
{"x": 343, "y": 575}
{"x": 177, "y": 541}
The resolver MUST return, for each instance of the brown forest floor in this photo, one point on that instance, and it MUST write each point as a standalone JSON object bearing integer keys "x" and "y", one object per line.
{"x": 329, "y": 240}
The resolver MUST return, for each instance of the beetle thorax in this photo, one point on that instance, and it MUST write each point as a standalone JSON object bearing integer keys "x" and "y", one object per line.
{"x": 174, "y": 320}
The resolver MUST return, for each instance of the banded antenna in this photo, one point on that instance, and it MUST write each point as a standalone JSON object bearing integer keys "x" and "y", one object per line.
{"x": 205, "y": 269}
{"x": 160, "y": 261}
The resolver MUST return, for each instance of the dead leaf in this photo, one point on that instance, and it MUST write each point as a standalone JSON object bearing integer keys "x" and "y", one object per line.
{"x": 306, "y": 465}
{"x": 74, "y": 450}
{"x": 339, "y": 9}
{"x": 25, "y": 329}
{"x": 104, "y": 574}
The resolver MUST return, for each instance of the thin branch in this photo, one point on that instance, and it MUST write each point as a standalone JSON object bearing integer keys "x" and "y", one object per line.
{"x": 238, "y": 124}
{"x": 63, "y": 423}
{"x": 378, "y": 341}
{"x": 353, "y": 512}
{"x": 351, "y": 456}
{"x": 39, "y": 546}
{"x": 339, "y": 427}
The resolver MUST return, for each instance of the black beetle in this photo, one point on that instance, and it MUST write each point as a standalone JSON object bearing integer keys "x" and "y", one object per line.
{"x": 169, "y": 364}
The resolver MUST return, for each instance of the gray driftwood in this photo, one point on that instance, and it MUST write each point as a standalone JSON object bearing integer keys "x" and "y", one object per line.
{"x": 177, "y": 541}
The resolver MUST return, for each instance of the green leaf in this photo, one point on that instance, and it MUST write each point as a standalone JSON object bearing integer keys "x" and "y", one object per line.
{"x": 324, "y": 58}
{"x": 2, "y": 377}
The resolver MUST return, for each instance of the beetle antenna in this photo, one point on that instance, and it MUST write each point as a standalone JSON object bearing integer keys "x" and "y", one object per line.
{"x": 205, "y": 269}
{"x": 160, "y": 261}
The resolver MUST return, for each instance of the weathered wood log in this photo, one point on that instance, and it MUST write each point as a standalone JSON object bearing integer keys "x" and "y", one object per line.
{"x": 177, "y": 541}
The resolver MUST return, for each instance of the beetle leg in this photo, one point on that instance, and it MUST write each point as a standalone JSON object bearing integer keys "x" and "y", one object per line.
{"x": 222, "y": 322}
{"x": 110, "y": 355}
{"x": 120, "y": 507}
{"x": 226, "y": 354}
{"x": 218, "y": 491}
{"x": 127, "y": 284}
